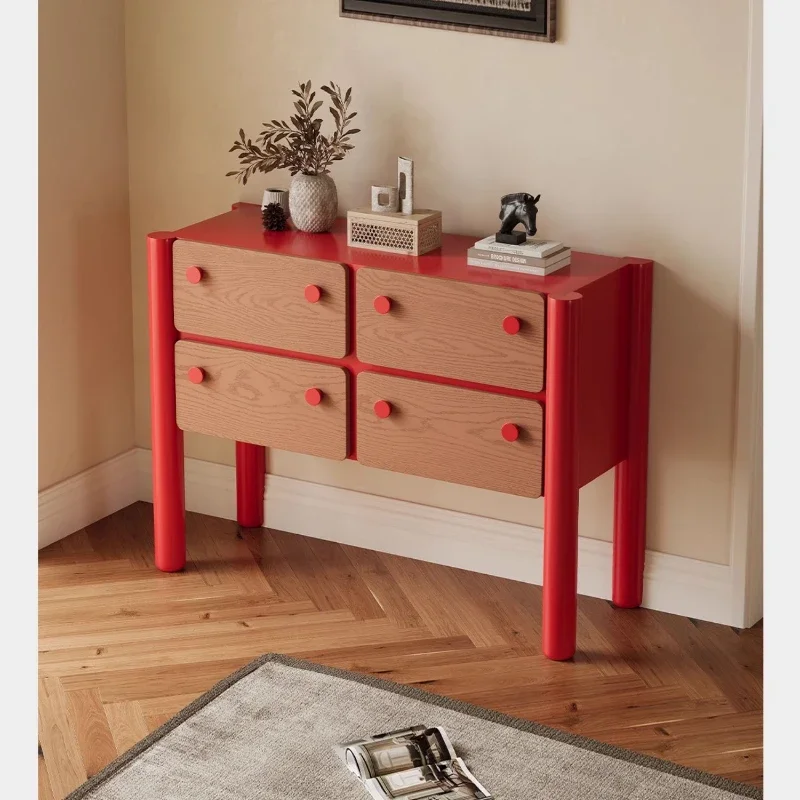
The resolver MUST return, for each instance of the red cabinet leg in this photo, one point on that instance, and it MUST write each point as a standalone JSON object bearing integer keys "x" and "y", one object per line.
{"x": 251, "y": 466}
{"x": 560, "y": 577}
{"x": 167, "y": 438}
{"x": 630, "y": 483}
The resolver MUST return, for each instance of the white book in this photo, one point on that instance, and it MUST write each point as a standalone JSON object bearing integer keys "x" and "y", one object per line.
{"x": 506, "y": 267}
{"x": 515, "y": 258}
{"x": 532, "y": 248}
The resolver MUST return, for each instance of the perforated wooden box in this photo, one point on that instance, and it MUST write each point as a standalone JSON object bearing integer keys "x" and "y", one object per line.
{"x": 411, "y": 234}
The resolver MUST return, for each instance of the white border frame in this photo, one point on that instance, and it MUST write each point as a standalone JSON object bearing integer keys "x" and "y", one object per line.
{"x": 746, "y": 526}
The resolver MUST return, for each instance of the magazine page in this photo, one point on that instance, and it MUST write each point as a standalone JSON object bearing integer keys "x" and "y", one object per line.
{"x": 450, "y": 780}
{"x": 397, "y": 751}
{"x": 412, "y": 763}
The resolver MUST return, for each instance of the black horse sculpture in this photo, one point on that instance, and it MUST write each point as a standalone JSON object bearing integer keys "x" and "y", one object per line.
{"x": 516, "y": 208}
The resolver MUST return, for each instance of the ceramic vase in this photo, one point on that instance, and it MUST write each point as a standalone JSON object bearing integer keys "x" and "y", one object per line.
{"x": 313, "y": 202}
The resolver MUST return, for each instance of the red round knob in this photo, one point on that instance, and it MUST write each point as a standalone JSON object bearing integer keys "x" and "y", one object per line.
{"x": 196, "y": 375}
{"x": 510, "y": 432}
{"x": 194, "y": 274}
{"x": 511, "y": 325}
{"x": 313, "y": 397}
{"x": 382, "y": 409}
{"x": 383, "y": 305}
{"x": 313, "y": 293}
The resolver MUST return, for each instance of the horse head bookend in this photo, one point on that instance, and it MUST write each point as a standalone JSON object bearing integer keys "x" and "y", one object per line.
{"x": 516, "y": 208}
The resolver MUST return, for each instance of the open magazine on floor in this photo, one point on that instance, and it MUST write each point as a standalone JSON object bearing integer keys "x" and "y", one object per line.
{"x": 413, "y": 763}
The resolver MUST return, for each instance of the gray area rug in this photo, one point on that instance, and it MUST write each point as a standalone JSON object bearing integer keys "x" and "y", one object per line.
{"x": 268, "y": 732}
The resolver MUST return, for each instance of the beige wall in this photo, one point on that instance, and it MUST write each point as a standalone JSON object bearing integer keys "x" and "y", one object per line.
{"x": 85, "y": 341}
{"x": 631, "y": 127}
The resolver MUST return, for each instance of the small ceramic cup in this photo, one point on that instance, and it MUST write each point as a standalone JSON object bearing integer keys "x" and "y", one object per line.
{"x": 279, "y": 196}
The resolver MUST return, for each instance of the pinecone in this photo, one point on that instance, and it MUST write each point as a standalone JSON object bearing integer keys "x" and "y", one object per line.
{"x": 274, "y": 217}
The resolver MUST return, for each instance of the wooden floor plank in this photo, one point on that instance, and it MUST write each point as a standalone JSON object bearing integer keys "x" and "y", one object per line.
{"x": 746, "y": 766}
{"x": 45, "y": 792}
{"x": 674, "y": 741}
{"x": 271, "y": 562}
{"x": 91, "y": 726}
{"x": 639, "y": 641}
{"x": 124, "y": 685}
{"x": 333, "y": 629}
{"x": 188, "y": 633}
{"x": 169, "y": 704}
{"x": 387, "y": 593}
{"x": 515, "y": 609}
{"x": 99, "y": 618}
{"x": 155, "y": 721}
{"x": 354, "y": 591}
{"x": 57, "y": 576}
{"x": 443, "y": 602}
{"x": 233, "y": 561}
{"x": 316, "y": 582}
{"x": 58, "y": 739}
{"x": 721, "y": 660}
{"x": 78, "y": 545}
{"x": 368, "y": 658}
{"x": 508, "y": 670}
{"x": 127, "y": 723}
{"x": 123, "y": 648}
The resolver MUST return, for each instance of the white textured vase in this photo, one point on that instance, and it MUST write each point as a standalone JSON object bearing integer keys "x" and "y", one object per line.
{"x": 313, "y": 202}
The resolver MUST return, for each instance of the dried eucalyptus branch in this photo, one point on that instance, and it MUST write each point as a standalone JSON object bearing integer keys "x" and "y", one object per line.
{"x": 298, "y": 145}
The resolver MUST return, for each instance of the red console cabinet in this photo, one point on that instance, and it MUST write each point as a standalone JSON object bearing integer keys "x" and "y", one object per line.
{"x": 543, "y": 382}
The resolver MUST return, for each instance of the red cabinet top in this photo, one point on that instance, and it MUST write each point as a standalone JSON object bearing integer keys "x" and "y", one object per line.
{"x": 241, "y": 227}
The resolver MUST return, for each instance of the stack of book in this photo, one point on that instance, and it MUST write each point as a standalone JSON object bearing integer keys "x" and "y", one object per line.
{"x": 534, "y": 256}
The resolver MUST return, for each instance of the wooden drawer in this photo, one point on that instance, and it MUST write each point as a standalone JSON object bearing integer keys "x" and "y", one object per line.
{"x": 259, "y": 298}
{"x": 261, "y": 399}
{"x": 450, "y": 433}
{"x": 444, "y": 327}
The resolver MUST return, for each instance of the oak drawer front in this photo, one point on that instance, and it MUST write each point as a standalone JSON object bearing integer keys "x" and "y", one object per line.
{"x": 451, "y": 434}
{"x": 456, "y": 330}
{"x": 260, "y": 298}
{"x": 261, "y": 399}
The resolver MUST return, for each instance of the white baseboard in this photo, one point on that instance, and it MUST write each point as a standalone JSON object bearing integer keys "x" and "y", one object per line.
{"x": 88, "y": 496}
{"x": 678, "y": 585}
{"x": 210, "y": 487}
{"x": 673, "y": 584}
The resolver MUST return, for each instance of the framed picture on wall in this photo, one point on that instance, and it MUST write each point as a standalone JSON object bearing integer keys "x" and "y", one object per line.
{"x": 521, "y": 19}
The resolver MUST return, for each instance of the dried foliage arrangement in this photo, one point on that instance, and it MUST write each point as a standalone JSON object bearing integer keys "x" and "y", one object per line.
{"x": 299, "y": 146}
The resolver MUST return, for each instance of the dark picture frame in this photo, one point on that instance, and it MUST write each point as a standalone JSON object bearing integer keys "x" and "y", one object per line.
{"x": 538, "y": 22}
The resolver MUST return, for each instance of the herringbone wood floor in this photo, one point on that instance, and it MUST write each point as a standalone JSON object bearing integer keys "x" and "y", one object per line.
{"x": 124, "y": 647}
